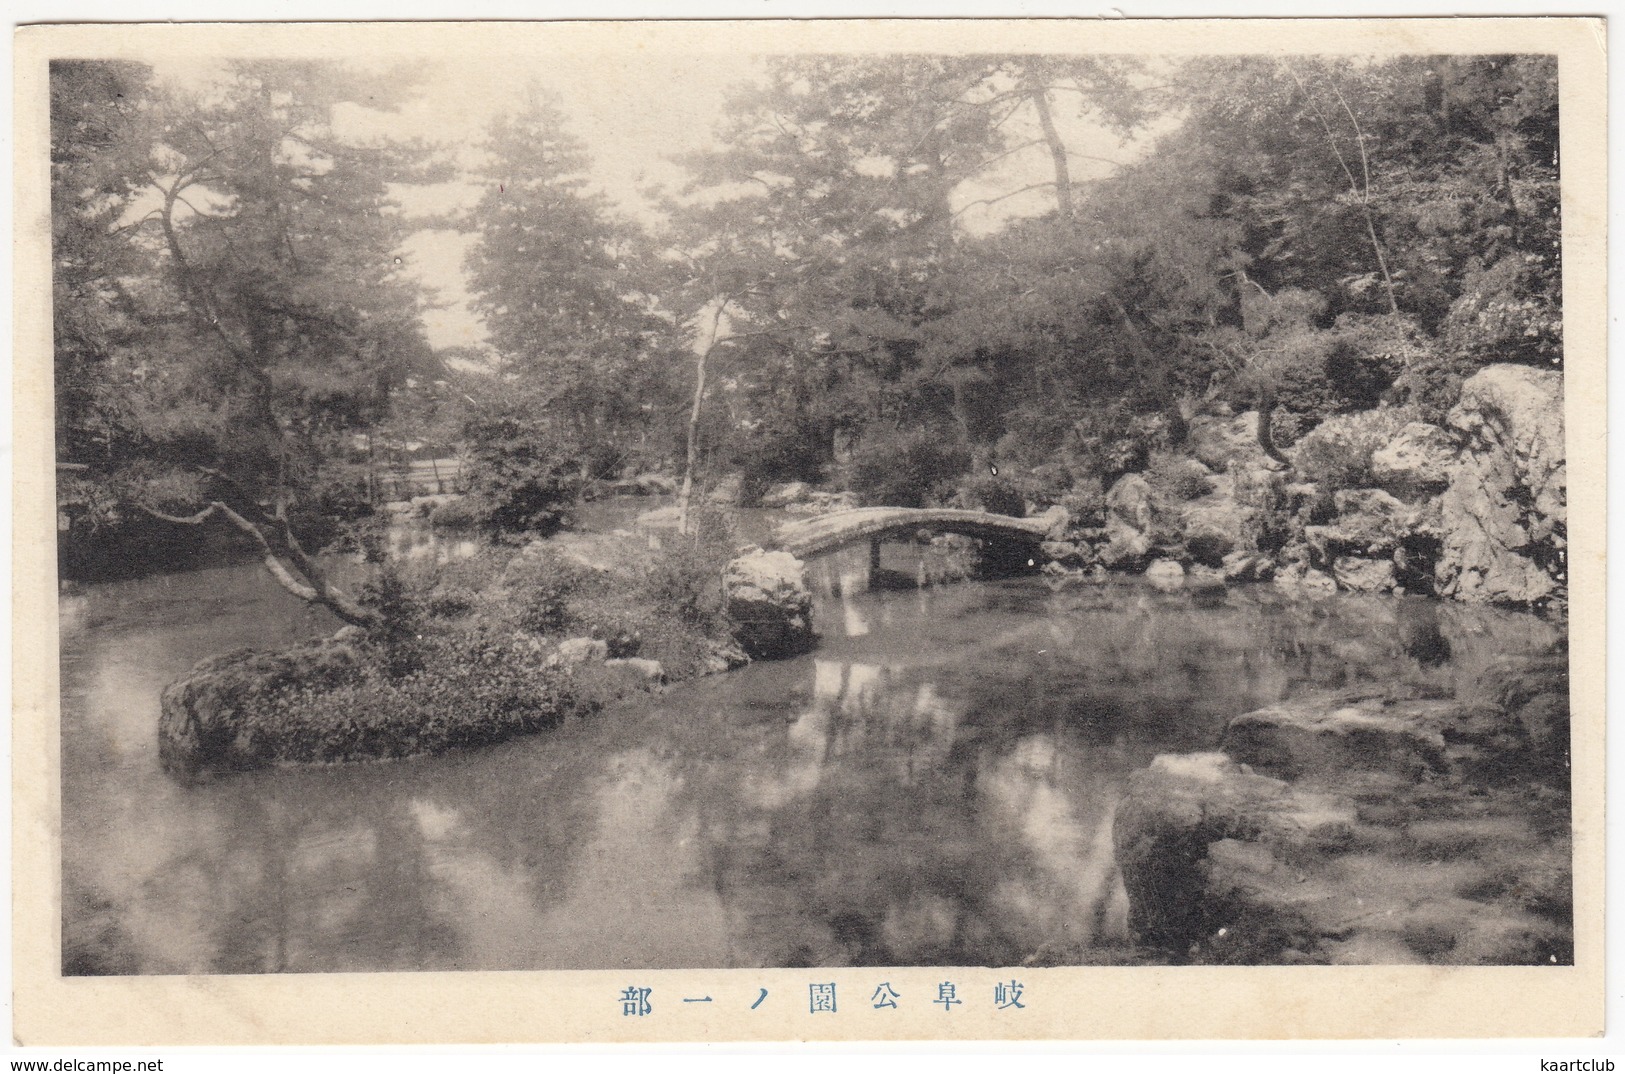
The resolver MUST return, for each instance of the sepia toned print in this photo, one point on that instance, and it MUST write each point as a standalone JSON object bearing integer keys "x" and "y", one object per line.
{"x": 871, "y": 544}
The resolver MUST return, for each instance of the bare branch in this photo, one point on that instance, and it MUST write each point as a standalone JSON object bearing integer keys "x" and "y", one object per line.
{"x": 185, "y": 520}
{"x": 995, "y": 158}
{"x": 1002, "y": 197}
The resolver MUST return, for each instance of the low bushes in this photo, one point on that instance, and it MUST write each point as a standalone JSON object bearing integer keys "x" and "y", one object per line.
{"x": 467, "y": 653}
{"x": 468, "y": 688}
{"x": 986, "y": 492}
{"x": 1176, "y": 478}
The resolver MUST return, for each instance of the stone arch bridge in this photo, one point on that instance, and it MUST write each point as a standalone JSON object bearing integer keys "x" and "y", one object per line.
{"x": 826, "y": 533}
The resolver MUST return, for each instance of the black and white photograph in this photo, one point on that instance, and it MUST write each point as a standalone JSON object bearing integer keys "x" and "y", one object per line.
{"x": 852, "y": 510}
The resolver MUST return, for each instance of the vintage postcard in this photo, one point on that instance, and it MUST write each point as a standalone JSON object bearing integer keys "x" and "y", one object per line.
{"x": 809, "y": 530}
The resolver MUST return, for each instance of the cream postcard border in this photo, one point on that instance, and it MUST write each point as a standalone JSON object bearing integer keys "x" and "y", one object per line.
{"x": 1061, "y": 1003}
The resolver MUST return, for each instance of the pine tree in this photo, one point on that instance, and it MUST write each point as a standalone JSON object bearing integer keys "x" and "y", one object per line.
{"x": 278, "y": 318}
{"x": 558, "y": 283}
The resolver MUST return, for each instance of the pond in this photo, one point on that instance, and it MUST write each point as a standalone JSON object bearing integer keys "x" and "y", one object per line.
{"x": 934, "y": 785}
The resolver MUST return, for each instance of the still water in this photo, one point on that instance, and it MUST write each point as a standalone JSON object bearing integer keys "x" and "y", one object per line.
{"x": 934, "y": 785}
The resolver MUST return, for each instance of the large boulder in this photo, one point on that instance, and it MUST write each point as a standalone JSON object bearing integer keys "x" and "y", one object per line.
{"x": 1298, "y": 579}
{"x": 770, "y": 604}
{"x": 1370, "y": 522}
{"x": 1415, "y": 463}
{"x": 1247, "y": 567}
{"x": 1222, "y": 444}
{"x": 1359, "y": 574}
{"x": 786, "y": 494}
{"x": 1217, "y": 523}
{"x": 1165, "y": 574}
{"x": 1505, "y": 513}
{"x": 1130, "y": 514}
{"x": 728, "y": 492}
{"x": 1377, "y": 542}
{"x": 210, "y": 719}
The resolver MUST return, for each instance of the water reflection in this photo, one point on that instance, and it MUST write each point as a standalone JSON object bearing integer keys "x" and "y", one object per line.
{"x": 935, "y": 785}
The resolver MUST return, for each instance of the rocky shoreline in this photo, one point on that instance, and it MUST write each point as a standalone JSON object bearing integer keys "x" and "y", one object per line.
{"x": 1362, "y": 828}
{"x": 1375, "y": 502}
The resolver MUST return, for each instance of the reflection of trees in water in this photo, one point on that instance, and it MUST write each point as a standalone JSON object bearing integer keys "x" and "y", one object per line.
{"x": 941, "y": 798}
{"x": 341, "y": 869}
{"x": 352, "y": 869}
{"x": 876, "y": 839}
{"x": 1168, "y": 674}
{"x": 310, "y": 882}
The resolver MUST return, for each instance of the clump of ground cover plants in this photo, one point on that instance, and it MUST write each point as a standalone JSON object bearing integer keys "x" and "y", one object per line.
{"x": 466, "y": 653}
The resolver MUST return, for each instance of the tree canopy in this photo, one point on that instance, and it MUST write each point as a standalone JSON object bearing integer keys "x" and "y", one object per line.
{"x": 1044, "y": 264}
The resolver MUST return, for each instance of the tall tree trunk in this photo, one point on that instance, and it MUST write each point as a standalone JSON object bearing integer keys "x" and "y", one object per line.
{"x": 1038, "y": 93}
{"x": 685, "y": 496}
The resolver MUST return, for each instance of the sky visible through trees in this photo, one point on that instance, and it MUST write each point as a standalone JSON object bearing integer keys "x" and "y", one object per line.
{"x": 272, "y": 274}
{"x": 631, "y": 124}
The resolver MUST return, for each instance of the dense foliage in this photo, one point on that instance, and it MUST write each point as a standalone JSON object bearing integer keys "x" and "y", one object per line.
{"x": 902, "y": 274}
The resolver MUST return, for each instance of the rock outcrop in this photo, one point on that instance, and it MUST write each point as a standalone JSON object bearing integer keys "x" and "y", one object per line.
{"x": 1504, "y": 514}
{"x": 1215, "y": 524}
{"x": 1378, "y": 542}
{"x": 1415, "y": 463}
{"x": 1129, "y": 518}
{"x": 207, "y": 720}
{"x": 770, "y": 604}
{"x": 1357, "y": 829}
{"x": 1376, "y": 502}
{"x": 1231, "y": 443}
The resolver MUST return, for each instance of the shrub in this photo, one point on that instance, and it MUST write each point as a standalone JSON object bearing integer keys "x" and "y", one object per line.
{"x": 1176, "y": 478}
{"x": 985, "y": 492}
{"x": 398, "y": 636}
{"x": 774, "y": 451}
{"x": 473, "y": 687}
{"x": 1112, "y": 440}
{"x": 541, "y": 587}
{"x": 1085, "y": 502}
{"x": 519, "y": 480}
{"x": 667, "y": 605}
{"x": 906, "y": 467}
{"x": 678, "y": 601}
{"x": 460, "y": 513}
{"x": 1042, "y": 485}
{"x": 431, "y": 677}
{"x": 1336, "y": 454}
